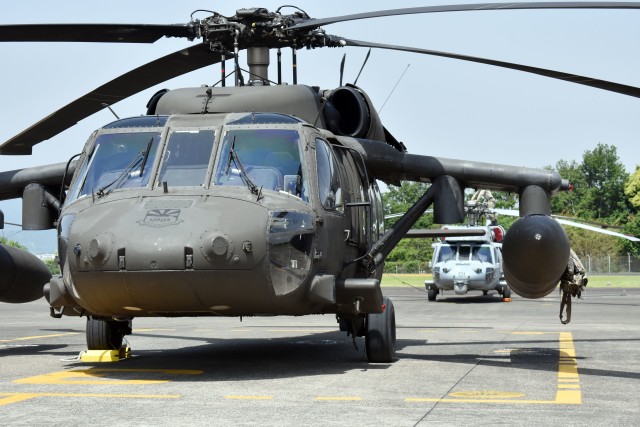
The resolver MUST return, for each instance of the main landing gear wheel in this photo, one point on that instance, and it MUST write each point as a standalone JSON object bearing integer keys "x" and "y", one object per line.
{"x": 105, "y": 334}
{"x": 506, "y": 293}
{"x": 380, "y": 339}
{"x": 431, "y": 294}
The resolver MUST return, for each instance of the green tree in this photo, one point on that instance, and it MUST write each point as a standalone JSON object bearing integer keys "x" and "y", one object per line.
{"x": 417, "y": 251}
{"x": 632, "y": 189}
{"x": 398, "y": 200}
{"x": 605, "y": 177}
{"x": 584, "y": 244}
{"x": 570, "y": 202}
{"x": 13, "y": 243}
{"x": 632, "y": 227}
{"x": 53, "y": 266}
{"x": 599, "y": 186}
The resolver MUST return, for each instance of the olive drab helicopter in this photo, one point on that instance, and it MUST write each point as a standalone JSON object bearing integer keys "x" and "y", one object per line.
{"x": 256, "y": 199}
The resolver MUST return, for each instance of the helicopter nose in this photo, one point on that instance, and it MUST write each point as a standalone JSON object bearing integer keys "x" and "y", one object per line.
{"x": 223, "y": 255}
{"x": 157, "y": 236}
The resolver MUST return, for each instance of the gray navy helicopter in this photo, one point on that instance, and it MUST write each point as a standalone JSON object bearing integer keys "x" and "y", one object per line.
{"x": 471, "y": 262}
{"x": 256, "y": 199}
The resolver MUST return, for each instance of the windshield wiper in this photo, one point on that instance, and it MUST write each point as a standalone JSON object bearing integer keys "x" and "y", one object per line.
{"x": 140, "y": 159}
{"x": 233, "y": 155}
{"x": 116, "y": 183}
{"x": 146, "y": 156}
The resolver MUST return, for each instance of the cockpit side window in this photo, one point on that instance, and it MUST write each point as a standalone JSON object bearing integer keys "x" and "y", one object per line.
{"x": 186, "y": 157}
{"x": 329, "y": 189}
{"x": 118, "y": 160}
{"x": 269, "y": 158}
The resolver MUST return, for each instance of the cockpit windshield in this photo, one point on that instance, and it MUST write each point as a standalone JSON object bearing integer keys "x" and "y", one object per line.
{"x": 446, "y": 253}
{"x": 481, "y": 253}
{"x": 186, "y": 158}
{"x": 464, "y": 252}
{"x": 267, "y": 158}
{"x": 118, "y": 160}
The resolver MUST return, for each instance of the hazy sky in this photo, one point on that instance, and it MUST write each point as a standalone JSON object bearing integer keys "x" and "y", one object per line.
{"x": 441, "y": 107}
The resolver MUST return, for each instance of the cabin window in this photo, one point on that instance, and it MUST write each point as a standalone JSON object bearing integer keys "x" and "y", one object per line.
{"x": 186, "y": 157}
{"x": 118, "y": 160}
{"x": 268, "y": 158}
{"x": 329, "y": 189}
{"x": 377, "y": 216}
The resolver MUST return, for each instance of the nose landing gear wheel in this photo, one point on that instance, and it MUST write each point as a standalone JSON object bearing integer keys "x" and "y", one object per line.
{"x": 380, "y": 339}
{"x": 105, "y": 334}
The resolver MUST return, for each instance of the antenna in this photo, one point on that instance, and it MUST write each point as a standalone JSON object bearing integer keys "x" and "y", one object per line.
{"x": 361, "y": 68}
{"x": 342, "y": 67}
{"x": 394, "y": 88}
{"x": 104, "y": 104}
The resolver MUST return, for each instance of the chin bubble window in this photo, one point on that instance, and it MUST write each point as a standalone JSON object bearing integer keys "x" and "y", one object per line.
{"x": 290, "y": 237}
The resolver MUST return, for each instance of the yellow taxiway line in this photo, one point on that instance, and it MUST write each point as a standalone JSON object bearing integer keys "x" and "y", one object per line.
{"x": 18, "y": 397}
{"x": 567, "y": 390}
{"x": 40, "y": 336}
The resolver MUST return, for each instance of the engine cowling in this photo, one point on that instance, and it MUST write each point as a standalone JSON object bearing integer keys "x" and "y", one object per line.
{"x": 535, "y": 255}
{"x": 349, "y": 112}
{"x": 22, "y": 276}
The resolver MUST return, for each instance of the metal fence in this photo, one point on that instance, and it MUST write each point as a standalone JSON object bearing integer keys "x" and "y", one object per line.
{"x": 611, "y": 264}
{"x": 594, "y": 265}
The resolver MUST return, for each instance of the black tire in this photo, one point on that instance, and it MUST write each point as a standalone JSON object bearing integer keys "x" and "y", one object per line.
{"x": 485, "y": 293}
{"x": 506, "y": 293}
{"x": 103, "y": 334}
{"x": 380, "y": 339}
{"x": 431, "y": 294}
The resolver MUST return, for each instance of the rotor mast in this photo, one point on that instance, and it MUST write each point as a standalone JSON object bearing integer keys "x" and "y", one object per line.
{"x": 258, "y": 62}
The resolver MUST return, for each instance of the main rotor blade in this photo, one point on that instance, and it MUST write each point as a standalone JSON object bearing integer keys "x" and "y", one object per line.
{"x": 144, "y": 77}
{"x": 315, "y": 23}
{"x": 600, "y": 228}
{"x": 104, "y": 33}
{"x": 572, "y": 78}
{"x": 597, "y": 229}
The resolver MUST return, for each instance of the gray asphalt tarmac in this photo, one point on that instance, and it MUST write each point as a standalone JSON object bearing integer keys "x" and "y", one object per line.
{"x": 468, "y": 360}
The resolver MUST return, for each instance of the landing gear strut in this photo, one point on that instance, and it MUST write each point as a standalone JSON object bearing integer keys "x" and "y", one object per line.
{"x": 380, "y": 338}
{"x": 106, "y": 334}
